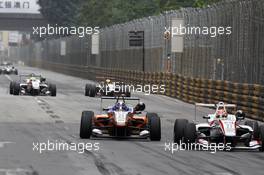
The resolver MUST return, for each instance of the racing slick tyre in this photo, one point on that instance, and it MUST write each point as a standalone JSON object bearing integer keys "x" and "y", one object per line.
{"x": 16, "y": 88}
{"x": 189, "y": 133}
{"x": 35, "y": 92}
{"x": 261, "y": 137}
{"x": 179, "y": 126}
{"x": 53, "y": 90}
{"x": 16, "y": 72}
{"x": 87, "y": 89}
{"x": 86, "y": 124}
{"x": 254, "y": 125}
{"x": 92, "y": 91}
{"x": 11, "y": 88}
{"x": 154, "y": 126}
{"x": 127, "y": 92}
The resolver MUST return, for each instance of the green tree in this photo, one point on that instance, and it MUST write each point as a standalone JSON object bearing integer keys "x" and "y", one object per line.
{"x": 108, "y": 12}
{"x": 62, "y": 12}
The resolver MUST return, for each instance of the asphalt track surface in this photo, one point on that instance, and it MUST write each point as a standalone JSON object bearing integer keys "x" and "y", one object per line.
{"x": 25, "y": 120}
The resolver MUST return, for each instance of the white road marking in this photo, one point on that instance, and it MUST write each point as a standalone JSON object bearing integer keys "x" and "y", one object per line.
{"x": 2, "y": 144}
{"x": 8, "y": 77}
{"x": 17, "y": 171}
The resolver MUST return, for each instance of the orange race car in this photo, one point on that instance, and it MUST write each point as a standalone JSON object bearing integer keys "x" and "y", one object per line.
{"x": 121, "y": 121}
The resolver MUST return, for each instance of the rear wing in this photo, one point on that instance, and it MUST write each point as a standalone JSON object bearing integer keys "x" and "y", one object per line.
{"x": 28, "y": 75}
{"x": 216, "y": 105}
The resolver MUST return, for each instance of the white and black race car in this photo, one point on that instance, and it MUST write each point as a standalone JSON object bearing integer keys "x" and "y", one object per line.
{"x": 107, "y": 88}
{"x": 221, "y": 127}
{"x": 8, "y": 69}
{"x": 32, "y": 85}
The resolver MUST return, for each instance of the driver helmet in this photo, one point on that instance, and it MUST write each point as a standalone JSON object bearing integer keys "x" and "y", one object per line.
{"x": 120, "y": 106}
{"x": 221, "y": 113}
{"x": 32, "y": 79}
{"x": 108, "y": 81}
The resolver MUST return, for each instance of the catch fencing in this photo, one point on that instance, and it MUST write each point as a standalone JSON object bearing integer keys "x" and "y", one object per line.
{"x": 238, "y": 57}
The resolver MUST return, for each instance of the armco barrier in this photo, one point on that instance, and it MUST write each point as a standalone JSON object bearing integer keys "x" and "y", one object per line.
{"x": 248, "y": 97}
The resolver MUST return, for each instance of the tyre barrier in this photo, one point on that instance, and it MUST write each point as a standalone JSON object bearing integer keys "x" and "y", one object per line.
{"x": 248, "y": 97}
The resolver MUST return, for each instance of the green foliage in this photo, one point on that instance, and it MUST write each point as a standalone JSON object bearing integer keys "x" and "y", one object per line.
{"x": 62, "y": 12}
{"x": 108, "y": 12}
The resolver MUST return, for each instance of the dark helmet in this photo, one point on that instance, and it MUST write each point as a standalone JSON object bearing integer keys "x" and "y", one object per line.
{"x": 140, "y": 107}
{"x": 240, "y": 115}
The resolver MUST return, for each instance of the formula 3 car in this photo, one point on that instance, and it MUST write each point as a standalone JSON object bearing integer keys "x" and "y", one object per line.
{"x": 8, "y": 69}
{"x": 221, "y": 127}
{"x": 32, "y": 85}
{"x": 121, "y": 121}
{"x": 107, "y": 88}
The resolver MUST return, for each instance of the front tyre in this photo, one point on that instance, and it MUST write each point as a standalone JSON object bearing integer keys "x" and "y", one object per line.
{"x": 154, "y": 126}
{"x": 16, "y": 88}
{"x": 11, "y": 88}
{"x": 254, "y": 125}
{"x": 189, "y": 133}
{"x": 179, "y": 126}
{"x": 87, "y": 90}
{"x": 53, "y": 90}
{"x": 261, "y": 137}
{"x": 86, "y": 124}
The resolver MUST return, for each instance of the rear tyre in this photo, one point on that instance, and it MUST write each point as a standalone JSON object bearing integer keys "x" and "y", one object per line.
{"x": 92, "y": 92}
{"x": 190, "y": 133}
{"x": 154, "y": 126}
{"x": 87, "y": 90}
{"x": 261, "y": 137}
{"x": 16, "y": 88}
{"x": 16, "y": 72}
{"x": 127, "y": 92}
{"x": 254, "y": 125}
{"x": 179, "y": 126}
{"x": 11, "y": 88}
{"x": 86, "y": 124}
{"x": 53, "y": 90}
{"x": 35, "y": 92}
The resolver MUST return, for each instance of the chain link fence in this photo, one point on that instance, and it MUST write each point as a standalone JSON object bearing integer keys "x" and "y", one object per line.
{"x": 238, "y": 57}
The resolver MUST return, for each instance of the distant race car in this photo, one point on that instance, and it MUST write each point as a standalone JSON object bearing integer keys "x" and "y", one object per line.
{"x": 221, "y": 127}
{"x": 121, "y": 121}
{"x": 8, "y": 69}
{"x": 32, "y": 85}
{"x": 107, "y": 88}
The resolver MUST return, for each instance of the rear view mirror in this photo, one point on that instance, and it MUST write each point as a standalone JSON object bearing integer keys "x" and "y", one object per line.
{"x": 240, "y": 115}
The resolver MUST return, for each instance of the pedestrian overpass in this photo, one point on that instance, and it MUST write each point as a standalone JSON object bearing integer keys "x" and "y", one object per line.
{"x": 20, "y": 15}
